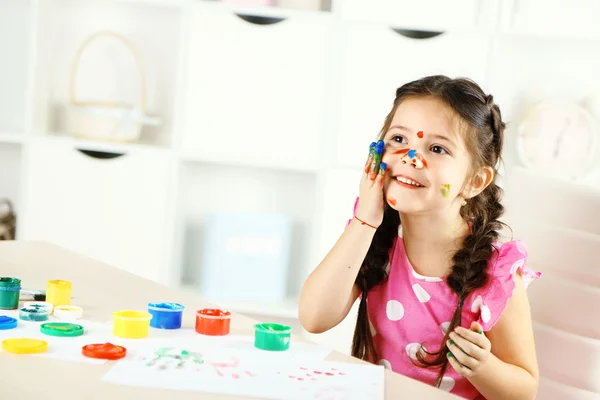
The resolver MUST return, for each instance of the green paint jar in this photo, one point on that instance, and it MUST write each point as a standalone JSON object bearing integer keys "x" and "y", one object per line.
{"x": 272, "y": 337}
{"x": 10, "y": 288}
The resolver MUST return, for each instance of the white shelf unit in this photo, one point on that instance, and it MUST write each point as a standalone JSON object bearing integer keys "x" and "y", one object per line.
{"x": 262, "y": 108}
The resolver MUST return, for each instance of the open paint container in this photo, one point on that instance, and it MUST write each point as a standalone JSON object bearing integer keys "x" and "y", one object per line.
{"x": 131, "y": 324}
{"x": 272, "y": 337}
{"x": 10, "y": 288}
{"x": 24, "y": 346}
{"x": 213, "y": 322}
{"x": 165, "y": 315}
{"x": 33, "y": 313}
{"x": 61, "y": 329}
{"x": 44, "y": 305}
{"x": 7, "y": 323}
{"x": 104, "y": 351}
{"x": 68, "y": 313}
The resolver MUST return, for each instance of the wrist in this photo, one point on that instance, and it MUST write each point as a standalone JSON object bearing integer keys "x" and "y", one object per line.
{"x": 365, "y": 223}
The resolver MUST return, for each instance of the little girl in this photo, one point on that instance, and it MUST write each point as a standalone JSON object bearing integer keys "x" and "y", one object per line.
{"x": 441, "y": 300}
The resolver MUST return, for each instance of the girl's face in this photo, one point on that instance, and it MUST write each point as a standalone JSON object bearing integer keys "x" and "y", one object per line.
{"x": 427, "y": 158}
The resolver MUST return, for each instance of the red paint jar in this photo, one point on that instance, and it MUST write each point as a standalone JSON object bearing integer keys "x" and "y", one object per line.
{"x": 213, "y": 322}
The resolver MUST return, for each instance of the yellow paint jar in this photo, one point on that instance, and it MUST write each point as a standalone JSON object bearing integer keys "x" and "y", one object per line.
{"x": 58, "y": 293}
{"x": 131, "y": 324}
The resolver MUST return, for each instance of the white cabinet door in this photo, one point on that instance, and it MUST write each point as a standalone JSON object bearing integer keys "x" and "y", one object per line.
{"x": 376, "y": 61}
{"x": 15, "y": 42}
{"x": 111, "y": 209}
{"x": 436, "y": 15}
{"x": 255, "y": 92}
{"x": 563, "y": 18}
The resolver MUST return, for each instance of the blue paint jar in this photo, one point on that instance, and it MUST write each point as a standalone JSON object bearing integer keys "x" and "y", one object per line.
{"x": 165, "y": 315}
{"x": 7, "y": 322}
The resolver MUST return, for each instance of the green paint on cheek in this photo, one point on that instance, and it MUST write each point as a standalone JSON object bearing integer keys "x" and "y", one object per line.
{"x": 445, "y": 189}
{"x": 349, "y": 266}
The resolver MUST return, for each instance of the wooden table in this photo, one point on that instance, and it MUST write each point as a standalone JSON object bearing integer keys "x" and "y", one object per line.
{"x": 101, "y": 289}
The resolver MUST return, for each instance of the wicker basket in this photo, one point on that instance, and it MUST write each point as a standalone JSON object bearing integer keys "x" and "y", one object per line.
{"x": 8, "y": 220}
{"x": 110, "y": 121}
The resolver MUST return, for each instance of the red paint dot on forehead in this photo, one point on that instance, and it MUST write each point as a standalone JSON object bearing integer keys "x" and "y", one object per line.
{"x": 420, "y": 134}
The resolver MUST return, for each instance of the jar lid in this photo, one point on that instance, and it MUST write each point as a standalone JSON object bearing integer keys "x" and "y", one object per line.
{"x": 213, "y": 313}
{"x": 64, "y": 329}
{"x": 105, "y": 351}
{"x": 68, "y": 312}
{"x": 24, "y": 346}
{"x": 7, "y": 322}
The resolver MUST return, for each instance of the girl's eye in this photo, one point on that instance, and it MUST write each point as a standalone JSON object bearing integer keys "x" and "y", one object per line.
{"x": 399, "y": 139}
{"x": 438, "y": 149}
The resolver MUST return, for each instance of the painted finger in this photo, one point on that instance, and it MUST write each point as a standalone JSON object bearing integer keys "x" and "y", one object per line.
{"x": 370, "y": 157}
{"x": 466, "y": 346}
{"x": 382, "y": 173}
{"x": 478, "y": 339}
{"x": 377, "y": 159}
{"x": 458, "y": 367}
{"x": 462, "y": 357}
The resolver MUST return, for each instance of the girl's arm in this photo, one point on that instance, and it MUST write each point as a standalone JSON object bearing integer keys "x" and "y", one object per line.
{"x": 329, "y": 292}
{"x": 511, "y": 370}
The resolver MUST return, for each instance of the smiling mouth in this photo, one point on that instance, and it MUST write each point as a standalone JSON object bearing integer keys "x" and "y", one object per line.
{"x": 407, "y": 181}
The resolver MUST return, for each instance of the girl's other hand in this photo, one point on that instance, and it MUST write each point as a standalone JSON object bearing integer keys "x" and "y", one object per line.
{"x": 370, "y": 205}
{"x": 469, "y": 350}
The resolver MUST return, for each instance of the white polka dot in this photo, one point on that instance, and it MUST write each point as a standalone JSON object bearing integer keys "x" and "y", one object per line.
{"x": 447, "y": 383}
{"x": 394, "y": 310}
{"x": 412, "y": 349}
{"x": 516, "y": 266}
{"x": 486, "y": 314}
{"x": 372, "y": 328}
{"x": 476, "y": 304}
{"x": 444, "y": 327}
{"x": 421, "y": 293}
{"x": 386, "y": 364}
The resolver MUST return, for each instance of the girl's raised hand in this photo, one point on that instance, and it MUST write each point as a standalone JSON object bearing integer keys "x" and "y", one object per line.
{"x": 469, "y": 350}
{"x": 370, "y": 206}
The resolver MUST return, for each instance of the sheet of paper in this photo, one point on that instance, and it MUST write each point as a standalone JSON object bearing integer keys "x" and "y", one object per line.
{"x": 247, "y": 373}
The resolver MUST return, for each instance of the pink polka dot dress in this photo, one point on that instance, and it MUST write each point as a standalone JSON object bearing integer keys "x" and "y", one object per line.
{"x": 408, "y": 309}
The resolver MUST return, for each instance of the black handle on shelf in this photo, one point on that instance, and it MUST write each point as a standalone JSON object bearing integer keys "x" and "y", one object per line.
{"x": 102, "y": 155}
{"x": 416, "y": 34}
{"x": 260, "y": 20}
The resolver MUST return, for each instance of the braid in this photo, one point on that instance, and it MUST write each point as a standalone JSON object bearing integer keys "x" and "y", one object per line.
{"x": 372, "y": 272}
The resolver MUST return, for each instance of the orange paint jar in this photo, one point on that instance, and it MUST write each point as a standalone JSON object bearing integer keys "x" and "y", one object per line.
{"x": 213, "y": 322}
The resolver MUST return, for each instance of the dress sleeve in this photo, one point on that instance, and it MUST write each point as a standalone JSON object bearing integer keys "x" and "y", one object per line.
{"x": 510, "y": 258}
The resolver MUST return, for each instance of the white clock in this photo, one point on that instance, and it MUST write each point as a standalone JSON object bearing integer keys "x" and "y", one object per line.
{"x": 559, "y": 139}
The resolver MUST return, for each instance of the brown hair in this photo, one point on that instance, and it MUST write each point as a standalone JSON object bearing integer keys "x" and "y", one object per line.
{"x": 484, "y": 131}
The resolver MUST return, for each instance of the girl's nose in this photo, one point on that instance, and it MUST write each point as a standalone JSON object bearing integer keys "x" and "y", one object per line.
{"x": 415, "y": 159}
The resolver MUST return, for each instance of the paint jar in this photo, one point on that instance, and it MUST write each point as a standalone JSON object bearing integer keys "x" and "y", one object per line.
{"x": 213, "y": 322}
{"x": 9, "y": 293}
{"x": 24, "y": 346}
{"x": 58, "y": 293}
{"x": 61, "y": 329}
{"x": 33, "y": 314}
{"x": 131, "y": 324}
{"x": 104, "y": 351}
{"x": 272, "y": 337}
{"x": 165, "y": 315}
{"x": 68, "y": 313}
{"x": 7, "y": 323}
{"x": 39, "y": 304}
